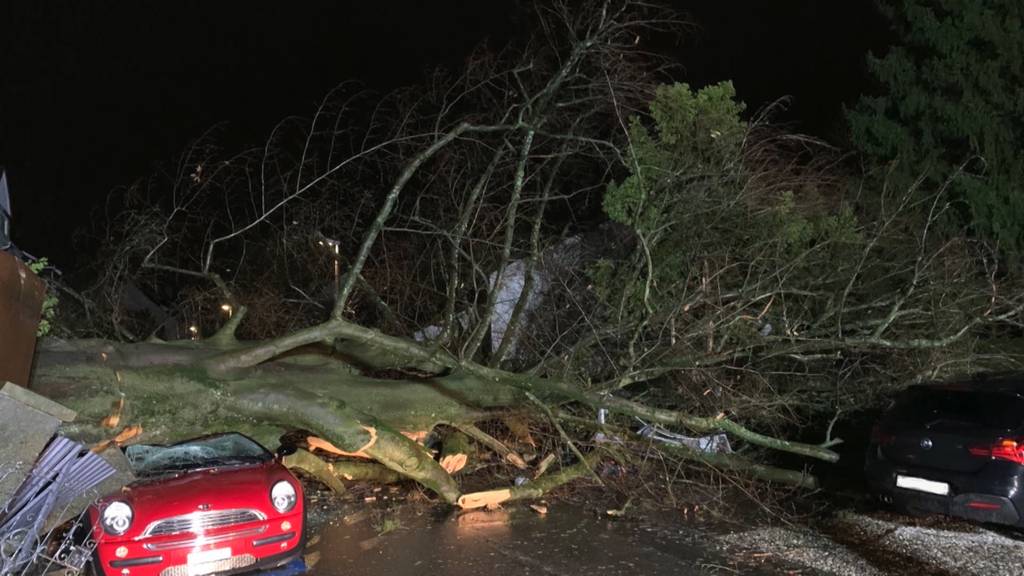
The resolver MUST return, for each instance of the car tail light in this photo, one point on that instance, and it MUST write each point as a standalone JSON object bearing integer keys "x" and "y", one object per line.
{"x": 978, "y": 505}
{"x": 880, "y": 436}
{"x": 1009, "y": 449}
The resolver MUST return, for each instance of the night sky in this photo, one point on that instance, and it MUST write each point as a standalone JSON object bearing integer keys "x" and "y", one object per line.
{"x": 95, "y": 94}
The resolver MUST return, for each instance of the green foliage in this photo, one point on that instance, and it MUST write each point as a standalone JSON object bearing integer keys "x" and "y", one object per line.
{"x": 952, "y": 96}
{"x": 38, "y": 266}
{"x": 798, "y": 232}
{"x": 692, "y": 203}
{"x": 694, "y": 134}
{"x": 49, "y": 308}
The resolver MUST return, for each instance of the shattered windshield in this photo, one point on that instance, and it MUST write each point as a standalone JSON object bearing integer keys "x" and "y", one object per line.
{"x": 206, "y": 452}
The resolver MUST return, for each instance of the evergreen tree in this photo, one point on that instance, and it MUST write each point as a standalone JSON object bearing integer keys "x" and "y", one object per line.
{"x": 953, "y": 96}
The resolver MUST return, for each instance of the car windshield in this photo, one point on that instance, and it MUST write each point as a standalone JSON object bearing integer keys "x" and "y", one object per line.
{"x": 961, "y": 408}
{"x": 206, "y": 452}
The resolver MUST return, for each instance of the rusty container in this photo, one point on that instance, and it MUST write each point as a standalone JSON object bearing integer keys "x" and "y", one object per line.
{"x": 21, "y": 302}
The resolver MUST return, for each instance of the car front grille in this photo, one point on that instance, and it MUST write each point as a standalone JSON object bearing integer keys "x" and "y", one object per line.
{"x": 199, "y": 522}
{"x": 192, "y": 541}
{"x": 233, "y": 563}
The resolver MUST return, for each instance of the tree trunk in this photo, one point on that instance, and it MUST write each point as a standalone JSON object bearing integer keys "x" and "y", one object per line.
{"x": 177, "y": 390}
{"x": 167, "y": 391}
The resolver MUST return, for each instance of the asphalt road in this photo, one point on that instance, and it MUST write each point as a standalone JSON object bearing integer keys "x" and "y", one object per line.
{"x": 567, "y": 541}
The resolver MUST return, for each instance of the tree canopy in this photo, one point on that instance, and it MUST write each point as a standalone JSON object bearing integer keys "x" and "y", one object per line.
{"x": 950, "y": 106}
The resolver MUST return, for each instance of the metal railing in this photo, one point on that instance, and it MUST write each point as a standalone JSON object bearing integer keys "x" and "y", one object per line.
{"x": 32, "y": 538}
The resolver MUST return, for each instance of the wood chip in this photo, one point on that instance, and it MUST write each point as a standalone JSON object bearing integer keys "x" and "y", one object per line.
{"x": 123, "y": 436}
{"x": 539, "y": 509}
{"x": 543, "y": 466}
{"x": 114, "y": 418}
{"x": 127, "y": 434}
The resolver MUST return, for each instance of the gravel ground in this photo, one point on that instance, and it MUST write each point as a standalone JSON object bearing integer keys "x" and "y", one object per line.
{"x": 803, "y": 548}
{"x": 877, "y": 544}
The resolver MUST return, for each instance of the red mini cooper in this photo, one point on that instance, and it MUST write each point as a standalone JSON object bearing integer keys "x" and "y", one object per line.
{"x": 211, "y": 505}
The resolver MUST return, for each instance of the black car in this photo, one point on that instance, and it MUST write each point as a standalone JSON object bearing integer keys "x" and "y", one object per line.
{"x": 955, "y": 449}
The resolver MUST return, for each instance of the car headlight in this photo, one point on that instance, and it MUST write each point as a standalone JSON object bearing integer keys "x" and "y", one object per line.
{"x": 117, "y": 518}
{"x": 282, "y": 496}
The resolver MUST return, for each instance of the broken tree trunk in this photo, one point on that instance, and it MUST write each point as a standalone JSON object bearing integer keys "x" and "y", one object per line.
{"x": 168, "y": 393}
{"x": 309, "y": 380}
{"x": 533, "y": 489}
{"x": 455, "y": 451}
{"x": 331, "y": 474}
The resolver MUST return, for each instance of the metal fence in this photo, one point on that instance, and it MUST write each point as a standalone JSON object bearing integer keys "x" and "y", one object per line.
{"x": 44, "y": 526}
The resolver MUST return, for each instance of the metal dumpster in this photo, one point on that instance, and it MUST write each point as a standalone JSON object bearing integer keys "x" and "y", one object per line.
{"x": 21, "y": 300}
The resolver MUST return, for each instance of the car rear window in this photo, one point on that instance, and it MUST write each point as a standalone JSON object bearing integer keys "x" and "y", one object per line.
{"x": 993, "y": 410}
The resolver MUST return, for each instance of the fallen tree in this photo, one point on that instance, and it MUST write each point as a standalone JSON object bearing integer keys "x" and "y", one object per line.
{"x": 175, "y": 390}
{"x": 731, "y": 288}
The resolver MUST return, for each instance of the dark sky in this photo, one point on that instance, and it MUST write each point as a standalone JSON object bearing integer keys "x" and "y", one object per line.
{"x": 93, "y": 94}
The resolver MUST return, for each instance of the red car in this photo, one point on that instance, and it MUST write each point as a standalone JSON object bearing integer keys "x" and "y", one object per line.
{"x": 211, "y": 505}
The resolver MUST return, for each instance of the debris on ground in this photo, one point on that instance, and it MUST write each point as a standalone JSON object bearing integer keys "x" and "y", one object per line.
{"x": 712, "y": 444}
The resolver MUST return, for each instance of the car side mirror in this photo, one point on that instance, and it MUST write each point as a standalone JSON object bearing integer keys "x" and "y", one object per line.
{"x": 285, "y": 450}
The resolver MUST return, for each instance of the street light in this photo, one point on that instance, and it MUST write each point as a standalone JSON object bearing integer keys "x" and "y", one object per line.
{"x": 334, "y": 246}
{"x": 227, "y": 309}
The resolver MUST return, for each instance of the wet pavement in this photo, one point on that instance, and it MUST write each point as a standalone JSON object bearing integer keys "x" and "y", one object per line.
{"x": 567, "y": 541}
{"x": 394, "y": 536}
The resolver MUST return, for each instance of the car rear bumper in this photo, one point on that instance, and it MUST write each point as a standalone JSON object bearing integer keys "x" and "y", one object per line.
{"x": 993, "y": 494}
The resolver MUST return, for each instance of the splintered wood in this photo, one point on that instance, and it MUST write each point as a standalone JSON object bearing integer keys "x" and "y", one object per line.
{"x": 543, "y": 466}
{"x": 452, "y": 463}
{"x": 317, "y": 443}
{"x": 455, "y": 452}
{"x": 509, "y": 455}
{"x": 488, "y": 499}
{"x": 418, "y": 437}
{"x": 114, "y": 418}
{"x": 128, "y": 433}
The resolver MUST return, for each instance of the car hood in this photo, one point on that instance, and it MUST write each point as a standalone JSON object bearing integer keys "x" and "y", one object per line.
{"x": 201, "y": 490}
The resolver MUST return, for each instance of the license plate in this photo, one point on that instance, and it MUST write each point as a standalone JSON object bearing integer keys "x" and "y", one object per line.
{"x": 209, "y": 556}
{"x": 922, "y": 485}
